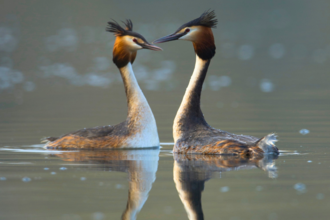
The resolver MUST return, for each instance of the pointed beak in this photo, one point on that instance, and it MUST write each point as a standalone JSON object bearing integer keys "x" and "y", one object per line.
{"x": 151, "y": 47}
{"x": 167, "y": 38}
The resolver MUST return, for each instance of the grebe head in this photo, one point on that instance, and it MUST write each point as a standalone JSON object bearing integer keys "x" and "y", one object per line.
{"x": 127, "y": 43}
{"x": 198, "y": 31}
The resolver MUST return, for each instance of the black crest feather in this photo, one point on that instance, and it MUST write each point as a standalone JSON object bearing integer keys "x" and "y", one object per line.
{"x": 118, "y": 30}
{"x": 129, "y": 25}
{"x": 207, "y": 19}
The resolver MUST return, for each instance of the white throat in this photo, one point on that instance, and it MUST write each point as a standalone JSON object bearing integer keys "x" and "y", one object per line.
{"x": 139, "y": 112}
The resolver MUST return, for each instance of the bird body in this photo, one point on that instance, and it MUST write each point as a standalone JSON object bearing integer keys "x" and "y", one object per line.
{"x": 191, "y": 132}
{"x": 139, "y": 130}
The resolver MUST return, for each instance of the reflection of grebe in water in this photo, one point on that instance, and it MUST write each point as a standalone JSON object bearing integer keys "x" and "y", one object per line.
{"x": 190, "y": 173}
{"x": 192, "y": 134}
{"x": 139, "y": 130}
{"x": 141, "y": 166}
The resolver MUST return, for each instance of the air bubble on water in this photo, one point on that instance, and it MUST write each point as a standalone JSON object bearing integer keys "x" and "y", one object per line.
{"x": 29, "y": 86}
{"x": 63, "y": 168}
{"x": 8, "y": 42}
{"x": 66, "y": 38}
{"x": 245, "y": 52}
{"x": 46, "y": 168}
{"x": 82, "y": 178}
{"x": 216, "y": 82}
{"x": 300, "y": 187}
{"x": 320, "y": 196}
{"x": 3, "y": 178}
{"x": 309, "y": 161}
{"x": 93, "y": 79}
{"x": 151, "y": 84}
{"x": 9, "y": 77}
{"x": 225, "y": 81}
{"x": 304, "y": 131}
{"x": 141, "y": 72}
{"x": 119, "y": 186}
{"x": 53, "y": 173}
{"x": 224, "y": 189}
{"x": 266, "y": 85}
{"x": 26, "y": 179}
{"x": 101, "y": 63}
{"x": 98, "y": 216}
{"x": 16, "y": 77}
{"x": 277, "y": 51}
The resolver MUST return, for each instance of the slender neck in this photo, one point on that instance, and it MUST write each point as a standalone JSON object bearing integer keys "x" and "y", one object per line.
{"x": 190, "y": 114}
{"x": 135, "y": 98}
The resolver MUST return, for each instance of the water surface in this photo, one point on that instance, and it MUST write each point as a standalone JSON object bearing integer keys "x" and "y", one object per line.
{"x": 270, "y": 74}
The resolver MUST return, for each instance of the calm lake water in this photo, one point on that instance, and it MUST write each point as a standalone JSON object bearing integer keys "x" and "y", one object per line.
{"x": 270, "y": 74}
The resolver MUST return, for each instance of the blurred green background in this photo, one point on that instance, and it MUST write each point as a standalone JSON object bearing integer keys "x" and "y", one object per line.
{"x": 270, "y": 72}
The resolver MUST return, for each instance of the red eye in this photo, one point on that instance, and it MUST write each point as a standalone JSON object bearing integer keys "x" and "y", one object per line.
{"x": 135, "y": 40}
{"x": 187, "y": 30}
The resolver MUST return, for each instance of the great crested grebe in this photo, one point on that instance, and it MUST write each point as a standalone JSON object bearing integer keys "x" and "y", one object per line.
{"x": 139, "y": 130}
{"x": 191, "y": 132}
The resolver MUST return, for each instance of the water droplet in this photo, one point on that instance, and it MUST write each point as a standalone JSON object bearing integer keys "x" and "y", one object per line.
{"x": 3, "y": 178}
{"x": 224, "y": 189}
{"x": 320, "y": 196}
{"x": 266, "y": 85}
{"x": 63, "y": 168}
{"x": 46, "y": 168}
{"x": 304, "y": 131}
{"x": 245, "y": 52}
{"x": 98, "y": 216}
{"x": 66, "y": 38}
{"x": 82, "y": 178}
{"x": 53, "y": 173}
{"x": 101, "y": 63}
{"x": 309, "y": 161}
{"x": 119, "y": 186}
{"x": 26, "y": 179}
{"x": 300, "y": 187}
{"x": 277, "y": 51}
{"x": 29, "y": 86}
